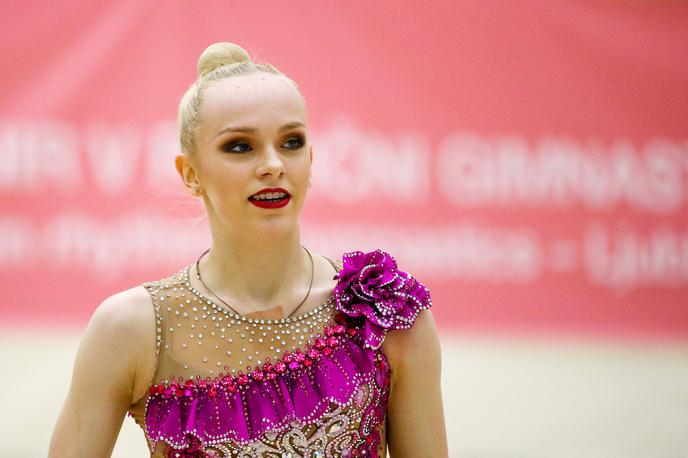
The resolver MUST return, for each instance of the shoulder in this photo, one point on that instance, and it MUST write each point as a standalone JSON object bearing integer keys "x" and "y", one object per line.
{"x": 129, "y": 310}
{"x": 105, "y": 373}
{"x": 122, "y": 326}
{"x": 122, "y": 330}
{"x": 117, "y": 345}
{"x": 136, "y": 309}
{"x": 414, "y": 347}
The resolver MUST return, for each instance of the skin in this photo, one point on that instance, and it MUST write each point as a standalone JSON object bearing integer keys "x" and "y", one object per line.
{"x": 253, "y": 263}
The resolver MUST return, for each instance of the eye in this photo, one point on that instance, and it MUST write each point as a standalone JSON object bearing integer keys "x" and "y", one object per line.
{"x": 236, "y": 147}
{"x": 293, "y": 143}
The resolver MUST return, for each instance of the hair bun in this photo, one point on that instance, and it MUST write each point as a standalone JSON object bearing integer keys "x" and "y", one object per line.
{"x": 219, "y": 54}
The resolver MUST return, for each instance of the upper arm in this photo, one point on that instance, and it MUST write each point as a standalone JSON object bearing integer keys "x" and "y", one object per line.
{"x": 111, "y": 360}
{"x": 415, "y": 416}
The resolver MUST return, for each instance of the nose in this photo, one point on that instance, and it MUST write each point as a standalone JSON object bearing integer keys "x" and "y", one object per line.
{"x": 271, "y": 163}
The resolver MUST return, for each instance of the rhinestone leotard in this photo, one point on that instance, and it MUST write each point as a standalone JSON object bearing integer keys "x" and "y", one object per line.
{"x": 226, "y": 385}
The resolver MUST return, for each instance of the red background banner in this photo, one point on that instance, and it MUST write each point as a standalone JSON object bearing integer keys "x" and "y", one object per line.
{"x": 528, "y": 161}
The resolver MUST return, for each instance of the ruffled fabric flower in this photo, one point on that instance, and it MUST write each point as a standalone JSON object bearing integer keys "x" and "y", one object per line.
{"x": 370, "y": 285}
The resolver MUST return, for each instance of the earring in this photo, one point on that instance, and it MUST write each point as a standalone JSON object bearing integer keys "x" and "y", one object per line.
{"x": 196, "y": 191}
{"x": 309, "y": 182}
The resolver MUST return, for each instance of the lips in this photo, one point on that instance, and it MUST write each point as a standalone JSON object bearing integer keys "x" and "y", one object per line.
{"x": 271, "y": 198}
{"x": 269, "y": 191}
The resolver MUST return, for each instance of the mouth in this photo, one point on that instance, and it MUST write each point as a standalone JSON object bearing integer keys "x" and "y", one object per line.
{"x": 270, "y": 198}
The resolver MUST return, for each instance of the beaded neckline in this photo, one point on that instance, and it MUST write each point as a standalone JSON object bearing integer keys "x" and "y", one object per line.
{"x": 185, "y": 278}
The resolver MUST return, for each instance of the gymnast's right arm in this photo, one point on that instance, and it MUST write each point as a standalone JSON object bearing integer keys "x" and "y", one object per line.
{"x": 113, "y": 367}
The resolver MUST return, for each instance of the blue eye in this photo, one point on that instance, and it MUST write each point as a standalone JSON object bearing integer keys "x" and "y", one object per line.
{"x": 293, "y": 143}
{"x": 236, "y": 147}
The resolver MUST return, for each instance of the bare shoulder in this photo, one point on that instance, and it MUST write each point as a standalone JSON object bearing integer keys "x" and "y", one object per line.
{"x": 418, "y": 344}
{"x": 125, "y": 314}
{"x": 127, "y": 317}
{"x": 126, "y": 321}
{"x": 121, "y": 335}
{"x": 105, "y": 380}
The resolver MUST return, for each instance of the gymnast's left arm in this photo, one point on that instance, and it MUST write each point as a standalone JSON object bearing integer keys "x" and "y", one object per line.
{"x": 415, "y": 417}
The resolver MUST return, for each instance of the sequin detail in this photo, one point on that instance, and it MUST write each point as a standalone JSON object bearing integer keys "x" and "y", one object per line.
{"x": 229, "y": 385}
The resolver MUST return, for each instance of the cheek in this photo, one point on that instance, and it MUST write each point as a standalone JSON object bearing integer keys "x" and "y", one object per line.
{"x": 302, "y": 168}
{"x": 227, "y": 179}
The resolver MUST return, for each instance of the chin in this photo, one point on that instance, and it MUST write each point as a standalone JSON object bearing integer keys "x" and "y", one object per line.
{"x": 277, "y": 224}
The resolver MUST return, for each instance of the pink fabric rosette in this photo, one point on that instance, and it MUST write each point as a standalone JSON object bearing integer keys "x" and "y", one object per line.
{"x": 370, "y": 285}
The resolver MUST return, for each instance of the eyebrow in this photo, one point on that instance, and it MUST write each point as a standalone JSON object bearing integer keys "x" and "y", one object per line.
{"x": 253, "y": 130}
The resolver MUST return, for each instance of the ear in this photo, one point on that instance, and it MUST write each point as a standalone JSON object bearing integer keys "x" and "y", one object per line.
{"x": 187, "y": 172}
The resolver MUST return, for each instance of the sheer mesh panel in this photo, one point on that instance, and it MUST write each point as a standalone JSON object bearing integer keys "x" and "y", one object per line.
{"x": 201, "y": 338}
{"x": 205, "y": 339}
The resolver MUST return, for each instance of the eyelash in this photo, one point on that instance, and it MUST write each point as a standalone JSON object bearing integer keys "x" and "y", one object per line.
{"x": 228, "y": 148}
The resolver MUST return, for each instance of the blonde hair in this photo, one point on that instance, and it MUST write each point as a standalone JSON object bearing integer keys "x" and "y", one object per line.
{"x": 217, "y": 62}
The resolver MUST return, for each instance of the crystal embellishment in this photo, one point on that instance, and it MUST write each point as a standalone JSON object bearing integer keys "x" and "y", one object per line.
{"x": 314, "y": 385}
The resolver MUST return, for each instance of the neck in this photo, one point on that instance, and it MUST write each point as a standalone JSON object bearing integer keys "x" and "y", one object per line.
{"x": 258, "y": 272}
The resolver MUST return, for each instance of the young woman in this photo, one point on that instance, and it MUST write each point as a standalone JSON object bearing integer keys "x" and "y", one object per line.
{"x": 260, "y": 348}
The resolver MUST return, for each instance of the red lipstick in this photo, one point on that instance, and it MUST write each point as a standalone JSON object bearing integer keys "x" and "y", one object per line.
{"x": 270, "y": 198}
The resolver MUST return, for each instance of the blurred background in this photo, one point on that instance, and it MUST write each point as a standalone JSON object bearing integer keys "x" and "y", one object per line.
{"x": 527, "y": 161}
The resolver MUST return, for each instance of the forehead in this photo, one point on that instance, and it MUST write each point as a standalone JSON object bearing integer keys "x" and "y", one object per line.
{"x": 258, "y": 100}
